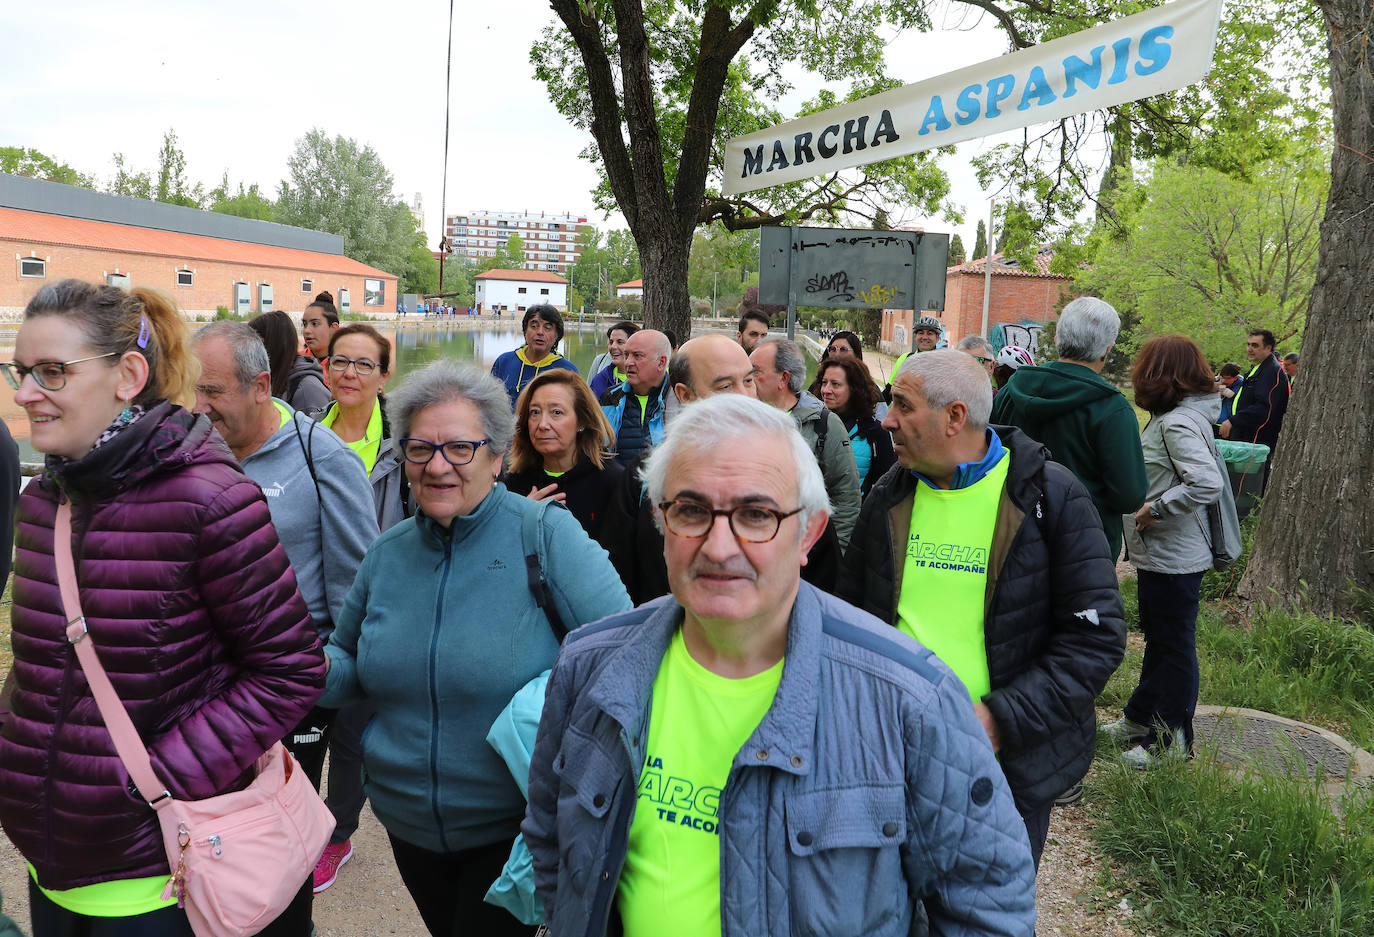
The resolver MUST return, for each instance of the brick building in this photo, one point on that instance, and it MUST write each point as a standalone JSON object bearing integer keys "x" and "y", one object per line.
{"x": 1023, "y": 301}
{"x": 203, "y": 260}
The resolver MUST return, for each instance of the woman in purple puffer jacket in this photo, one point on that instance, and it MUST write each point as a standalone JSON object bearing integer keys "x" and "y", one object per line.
{"x": 188, "y": 596}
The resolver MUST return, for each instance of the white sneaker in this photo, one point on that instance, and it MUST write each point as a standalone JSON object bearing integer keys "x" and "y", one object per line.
{"x": 1142, "y": 759}
{"x": 1124, "y": 731}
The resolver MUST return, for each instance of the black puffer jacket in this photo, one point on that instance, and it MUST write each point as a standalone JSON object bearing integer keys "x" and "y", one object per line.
{"x": 1054, "y": 625}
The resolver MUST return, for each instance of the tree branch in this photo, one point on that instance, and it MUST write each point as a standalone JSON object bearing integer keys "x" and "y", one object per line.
{"x": 586, "y": 33}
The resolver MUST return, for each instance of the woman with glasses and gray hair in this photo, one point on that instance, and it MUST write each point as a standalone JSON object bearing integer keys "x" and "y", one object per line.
{"x": 444, "y": 623}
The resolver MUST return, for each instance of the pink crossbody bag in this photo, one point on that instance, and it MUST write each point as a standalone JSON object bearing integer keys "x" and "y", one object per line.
{"x": 237, "y": 859}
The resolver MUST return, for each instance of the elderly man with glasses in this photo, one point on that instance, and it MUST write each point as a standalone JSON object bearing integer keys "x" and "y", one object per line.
{"x": 749, "y": 755}
{"x": 317, "y": 492}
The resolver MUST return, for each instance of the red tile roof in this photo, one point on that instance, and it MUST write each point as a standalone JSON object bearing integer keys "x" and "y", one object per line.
{"x": 632, "y": 285}
{"x": 39, "y": 228}
{"x": 533, "y": 276}
{"x": 1009, "y": 267}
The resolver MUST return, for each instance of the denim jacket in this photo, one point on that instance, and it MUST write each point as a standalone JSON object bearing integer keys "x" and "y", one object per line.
{"x": 867, "y": 801}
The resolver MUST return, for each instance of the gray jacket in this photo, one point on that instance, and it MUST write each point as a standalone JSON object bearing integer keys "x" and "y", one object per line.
{"x": 1183, "y": 479}
{"x": 841, "y": 474}
{"x": 868, "y": 788}
{"x": 325, "y": 533}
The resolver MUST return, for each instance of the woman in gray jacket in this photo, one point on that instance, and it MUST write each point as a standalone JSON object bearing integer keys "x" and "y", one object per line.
{"x": 1168, "y": 541}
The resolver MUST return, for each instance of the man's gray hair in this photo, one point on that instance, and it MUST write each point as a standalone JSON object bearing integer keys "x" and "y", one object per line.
{"x": 250, "y": 354}
{"x": 949, "y": 375}
{"x": 974, "y": 343}
{"x": 733, "y": 419}
{"x": 444, "y": 381}
{"x": 792, "y": 359}
{"x": 1087, "y": 328}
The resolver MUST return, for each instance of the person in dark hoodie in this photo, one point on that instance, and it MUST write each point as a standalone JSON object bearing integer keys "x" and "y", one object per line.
{"x": 1085, "y": 422}
{"x": 296, "y": 378}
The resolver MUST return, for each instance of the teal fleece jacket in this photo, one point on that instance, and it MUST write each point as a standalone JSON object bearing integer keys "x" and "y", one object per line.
{"x": 325, "y": 533}
{"x": 439, "y": 632}
{"x": 1089, "y": 428}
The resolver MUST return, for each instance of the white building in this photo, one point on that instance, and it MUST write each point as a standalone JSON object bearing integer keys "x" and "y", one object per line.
{"x": 517, "y": 290}
{"x": 633, "y": 288}
{"x": 550, "y": 240}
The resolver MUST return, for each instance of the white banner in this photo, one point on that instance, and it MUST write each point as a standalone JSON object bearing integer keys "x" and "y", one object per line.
{"x": 1125, "y": 60}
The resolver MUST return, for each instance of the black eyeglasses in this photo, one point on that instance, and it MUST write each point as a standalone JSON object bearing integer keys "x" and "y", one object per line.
{"x": 751, "y": 523}
{"x": 49, "y": 375}
{"x": 456, "y": 451}
{"x": 361, "y": 366}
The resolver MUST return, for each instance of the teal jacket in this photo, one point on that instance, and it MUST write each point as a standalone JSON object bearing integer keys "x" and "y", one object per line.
{"x": 439, "y": 631}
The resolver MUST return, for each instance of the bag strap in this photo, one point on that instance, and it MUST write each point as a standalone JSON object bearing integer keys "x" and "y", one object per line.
{"x": 126, "y": 741}
{"x": 531, "y": 539}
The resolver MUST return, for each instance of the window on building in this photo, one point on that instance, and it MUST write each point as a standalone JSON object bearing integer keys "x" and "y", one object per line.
{"x": 543, "y": 291}
{"x": 374, "y": 292}
{"x": 120, "y": 280}
{"x": 520, "y": 289}
{"x": 307, "y": 286}
{"x": 33, "y": 267}
{"x": 186, "y": 278}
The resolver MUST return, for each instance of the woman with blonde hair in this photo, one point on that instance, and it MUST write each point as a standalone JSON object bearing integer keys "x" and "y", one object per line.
{"x": 561, "y": 451}
{"x": 187, "y": 596}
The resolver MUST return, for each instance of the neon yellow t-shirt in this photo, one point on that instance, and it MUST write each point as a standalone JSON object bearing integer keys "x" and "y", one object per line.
{"x": 945, "y": 577}
{"x": 123, "y": 898}
{"x": 670, "y": 886}
{"x": 370, "y": 446}
{"x": 643, "y": 406}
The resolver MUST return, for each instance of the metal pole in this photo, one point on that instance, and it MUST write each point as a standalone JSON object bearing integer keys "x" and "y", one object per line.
{"x": 443, "y": 197}
{"x": 987, "y": 272}
{"x": 714, "y": 277}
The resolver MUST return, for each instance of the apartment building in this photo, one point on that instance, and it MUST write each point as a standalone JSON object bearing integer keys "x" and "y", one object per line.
{"x": 550, "y": 239}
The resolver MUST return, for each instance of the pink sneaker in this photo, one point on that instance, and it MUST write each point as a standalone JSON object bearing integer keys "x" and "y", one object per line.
{"x": 327, "y": 869}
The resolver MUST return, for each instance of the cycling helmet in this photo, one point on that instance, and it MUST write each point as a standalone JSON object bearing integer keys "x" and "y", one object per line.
{"x": 1014, "y": 356}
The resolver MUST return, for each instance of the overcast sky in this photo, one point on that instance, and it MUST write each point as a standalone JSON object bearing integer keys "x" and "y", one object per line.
{"x": 240, "y": 83}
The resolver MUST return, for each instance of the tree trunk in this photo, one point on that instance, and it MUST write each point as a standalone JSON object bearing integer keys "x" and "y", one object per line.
{"x": 663, "y": 258}
{"x": 1316, "y": 531}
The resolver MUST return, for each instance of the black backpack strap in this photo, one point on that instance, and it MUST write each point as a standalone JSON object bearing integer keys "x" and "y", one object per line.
{"x": 307, "y": 449}
{"x": 822, "y": 429}
{"x": 532, "y": 541}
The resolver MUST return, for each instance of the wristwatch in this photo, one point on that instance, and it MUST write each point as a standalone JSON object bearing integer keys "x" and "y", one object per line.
{"x": 1155, "y": 512}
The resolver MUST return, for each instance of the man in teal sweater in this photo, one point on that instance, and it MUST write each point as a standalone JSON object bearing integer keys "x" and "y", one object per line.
{"x": 1087, "y": 424}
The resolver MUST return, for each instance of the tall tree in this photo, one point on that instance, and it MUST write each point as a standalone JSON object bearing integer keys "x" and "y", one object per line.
{"x": 247, "y": 202}
{"x": 1314, "y": 548}
{"x": 172, "y": 185}
{"x": 340, "y": 186}
{"x": 21, "y": 161}
{"x": 980, "y": 241}
{"x": 1209, "y": 255}
{"x": 957, "y": 254}
{"x": 130, "y": 182}
{"x": 659, "y": 87}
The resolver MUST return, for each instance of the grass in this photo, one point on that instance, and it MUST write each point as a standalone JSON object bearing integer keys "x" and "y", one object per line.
{"x": 1226, "y": 856}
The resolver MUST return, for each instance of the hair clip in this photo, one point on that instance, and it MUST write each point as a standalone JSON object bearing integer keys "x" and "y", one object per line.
{"x": 142, "y": 331}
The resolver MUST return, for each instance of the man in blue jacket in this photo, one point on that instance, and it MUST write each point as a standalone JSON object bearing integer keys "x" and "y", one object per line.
{"x": 543, "y": 328}
{"x": 636, "y": 409}
{"x": 752, "y": 756}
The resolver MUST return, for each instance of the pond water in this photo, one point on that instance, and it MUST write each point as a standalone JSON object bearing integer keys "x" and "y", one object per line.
{"x": 413, "y": 348}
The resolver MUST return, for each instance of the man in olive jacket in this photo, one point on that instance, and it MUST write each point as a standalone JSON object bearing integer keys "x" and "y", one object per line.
{"x": 993, "y": 557}
{"x": 1088, "y": 425}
